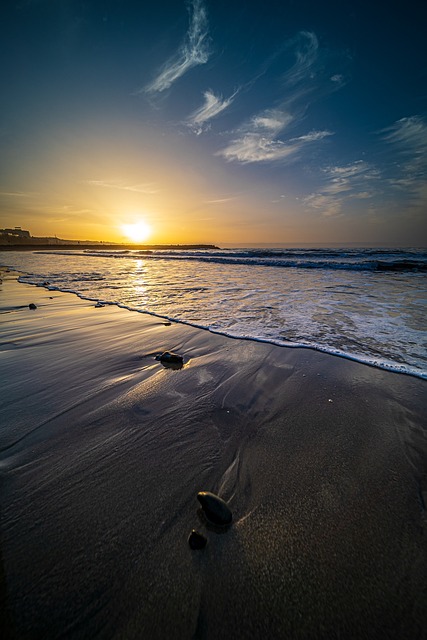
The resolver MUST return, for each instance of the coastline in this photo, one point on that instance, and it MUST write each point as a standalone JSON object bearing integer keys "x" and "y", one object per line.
{"x": 322, "y": 460}
{"x": 100, "y": 246}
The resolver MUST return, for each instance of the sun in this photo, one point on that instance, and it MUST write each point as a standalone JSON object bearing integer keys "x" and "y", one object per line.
{"x": 137, "y": 232}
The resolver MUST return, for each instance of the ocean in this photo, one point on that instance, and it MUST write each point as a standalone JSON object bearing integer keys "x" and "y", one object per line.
{"x": 368, "y": 305}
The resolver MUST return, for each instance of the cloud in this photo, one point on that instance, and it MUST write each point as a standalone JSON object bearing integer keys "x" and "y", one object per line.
{"x": 409, "y": 133}
{"x": 214, "y": 105}
{"x": 350, "y": 177}
{"x": 314, "y": 136}
{"x": 119, "y": 184}
{"x": 330, "y": 206}
{"x": 311, "y": 76}
{"x": 342, "y": 183}
{"x": 193, "y": 51}
{"x": 271, "y": 121}
{"x": 18, "y": 194}
{"x": 221, "y": 200}
{"x": 253, "y": 147}
{"x": 261, "y": 138}
{"x": 408, "y": 138}
{"x": 256, "y": 146}
{"x": 306, "y": 54}
{"x": 257, "y": 141}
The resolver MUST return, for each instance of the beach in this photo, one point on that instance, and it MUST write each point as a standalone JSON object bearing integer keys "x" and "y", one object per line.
{"x": 103, "y": 450}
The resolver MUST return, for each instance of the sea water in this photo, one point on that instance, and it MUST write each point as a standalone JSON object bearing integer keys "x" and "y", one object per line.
{"x": 365, "y": 304}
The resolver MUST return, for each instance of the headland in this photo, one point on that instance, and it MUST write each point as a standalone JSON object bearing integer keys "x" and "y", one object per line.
{"x": 18, "y": 239}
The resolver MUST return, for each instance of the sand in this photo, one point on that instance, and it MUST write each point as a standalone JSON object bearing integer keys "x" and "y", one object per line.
{"x": 103, "y": 450}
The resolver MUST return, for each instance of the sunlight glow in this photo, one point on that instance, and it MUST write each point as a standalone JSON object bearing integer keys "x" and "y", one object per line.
{"x": 137, "y": 232}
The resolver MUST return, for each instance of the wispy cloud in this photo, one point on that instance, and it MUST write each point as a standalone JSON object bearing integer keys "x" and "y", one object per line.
{"x": 221, "y": 200}
{"x": 119, "y": 184}
{"x": 270, "y": 121}
{"x": 18, "y": 194}
{"x": 261, "y": 138}
{"x": 76, "y": 211}
{"x": 408, "y": 138}
{"x": 311, "y": 75}
{"x": 329, "y": 206}
{"x": 256, "y": 146}
{"x": 342, "y": 183}
{"x": 193, "y": 51}
{"x": 214, "y": 105}
{"x": 410, "y": 134}
{"x": 306, "y": 54}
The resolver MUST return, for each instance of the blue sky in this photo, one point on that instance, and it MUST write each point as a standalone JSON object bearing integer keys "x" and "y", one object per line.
{"x": 215, "y": 121}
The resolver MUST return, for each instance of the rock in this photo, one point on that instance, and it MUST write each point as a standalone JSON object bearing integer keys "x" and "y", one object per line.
{"x": 215, "y": 508}
{"x": 32, "y": 306}
{"x": 99, "y": 305}
{"x": 170, "y": 358}
{"x": 196, "y": 540}
{"x": 167, "y": 324}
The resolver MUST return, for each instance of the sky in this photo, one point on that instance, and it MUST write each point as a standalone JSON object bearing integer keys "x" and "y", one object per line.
{"x": 221, "y": 121}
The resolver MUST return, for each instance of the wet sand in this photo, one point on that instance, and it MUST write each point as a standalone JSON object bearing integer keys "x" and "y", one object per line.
{"x": 103, "y": 450}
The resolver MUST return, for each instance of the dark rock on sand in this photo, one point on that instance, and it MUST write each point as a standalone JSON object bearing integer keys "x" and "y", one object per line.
{"x": 32, "y": 306}
{"x": 99, "y": 305}
{"x": 196, "y": 540}
{"x": 170, "y": 358}
{"x": 214, "y": 508}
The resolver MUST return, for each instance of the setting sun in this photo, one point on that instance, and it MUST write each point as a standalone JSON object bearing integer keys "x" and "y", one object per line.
{"x": 137, "y": 232}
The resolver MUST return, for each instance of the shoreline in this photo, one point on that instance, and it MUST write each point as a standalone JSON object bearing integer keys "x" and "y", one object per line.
{"x": 393, "y": 368}
{"x": 78, "y": 246}
{"x": 321, "y": 459}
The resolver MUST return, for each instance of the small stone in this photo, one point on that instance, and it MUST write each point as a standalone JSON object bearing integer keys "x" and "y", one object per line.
{"x": 196, "y": 540}
{"x": 170, "y": 358}
{"x": 215, "y": 508}
{"x": 99, "y": 305}
{"x": 32, "y": 306}
{"x": 167, "y": 324}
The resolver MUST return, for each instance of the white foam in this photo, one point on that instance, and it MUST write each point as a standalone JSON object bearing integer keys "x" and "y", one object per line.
{"x": 369, "y": 317}
{"x": 380, "y": 363}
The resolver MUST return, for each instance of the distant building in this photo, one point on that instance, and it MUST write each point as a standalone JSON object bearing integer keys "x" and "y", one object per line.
{"x": 16, "y": 232}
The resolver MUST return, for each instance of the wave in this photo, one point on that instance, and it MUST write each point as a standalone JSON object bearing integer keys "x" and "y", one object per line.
{"x": 378, "y": 361}
{"x": 367, "y": 260}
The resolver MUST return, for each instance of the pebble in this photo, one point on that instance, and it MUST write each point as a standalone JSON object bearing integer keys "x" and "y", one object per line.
{"x": 170, "y": 358}
{"x": 32, "y": 306}
{"x": 196, "y": 540}
{"x": 215, "y": 508}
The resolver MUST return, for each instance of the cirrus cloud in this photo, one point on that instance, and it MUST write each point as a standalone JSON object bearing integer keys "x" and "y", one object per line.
{"x": 258, "y": 147}
{"x": 193, "y": 51}
{"x": 214, "y": 105}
